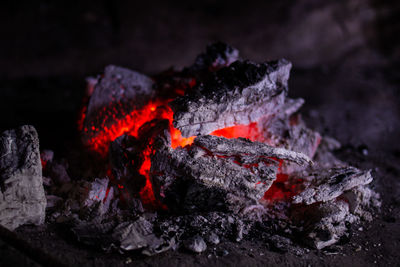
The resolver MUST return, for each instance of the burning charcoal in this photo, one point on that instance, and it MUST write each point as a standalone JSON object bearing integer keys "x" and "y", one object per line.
{"x": 22, "y": 198}
{"x": 195, "y": 244}
{"x": 329, "y": 184}
{"x": 222, "y": 150}
{"x": 118, "y": 92}
{"x": 216, "y": 173}
{"x": 239, "y": 94}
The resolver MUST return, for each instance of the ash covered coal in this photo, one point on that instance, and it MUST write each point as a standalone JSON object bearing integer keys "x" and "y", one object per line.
{"x": 22, "y": 197}
{"x": 215, "y": 152}
{"x": 216, "y": 173}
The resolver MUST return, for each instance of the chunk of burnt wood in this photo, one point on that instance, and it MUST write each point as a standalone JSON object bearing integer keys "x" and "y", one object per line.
{"x": 239, "y": 94}
{"x": 217, "y": 173}
{"x": 328, "y": 184}
{"x": 22, "y": 198}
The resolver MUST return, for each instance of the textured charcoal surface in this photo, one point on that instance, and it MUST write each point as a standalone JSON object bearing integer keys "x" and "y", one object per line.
{"x": 328, "y": 184}
{"x": 22, "y": 197}
{"x": 217, "y": 173}
{"x": 237, "y": 146}
{"x": 224, "y": 100}
{"x": 117, "y": 92}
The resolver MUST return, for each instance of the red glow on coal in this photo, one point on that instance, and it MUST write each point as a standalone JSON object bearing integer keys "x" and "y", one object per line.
{"x": 282, "y": 189}
{"x": 147, "y": 194}
{"x": 249, "y": 131}
{"x": 159, "y": 109}
{"x": 131, "y": 123}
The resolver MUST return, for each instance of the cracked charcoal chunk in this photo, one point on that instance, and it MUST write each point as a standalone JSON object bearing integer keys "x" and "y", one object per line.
{"x": 118, "y": 92}
{"x": 331, "y": 183}
{"x": 217, "y": 173}
{"x": 326, "y": 222}
{"x": 239, "y": 94}
{"x": 239, "y": 146}
{"x": 22, "y": 198}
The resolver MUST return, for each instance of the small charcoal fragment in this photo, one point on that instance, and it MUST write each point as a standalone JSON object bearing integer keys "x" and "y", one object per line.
{"x": 195, "y": 244}
{"x": 329, "y": 184}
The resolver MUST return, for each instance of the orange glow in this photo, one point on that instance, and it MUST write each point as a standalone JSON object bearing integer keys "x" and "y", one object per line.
{"x": 281, "y": 190}
{"x": 130, "y": 124}
{"x": 249, "y": 131}
{"x": 177, "y": 140}
{"x": 158, "y": 109}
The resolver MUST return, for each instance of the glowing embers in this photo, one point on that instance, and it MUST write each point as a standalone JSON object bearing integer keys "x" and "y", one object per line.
{"x": 128, "y": 124}
{"x": 177, "y": 140}
{"x": 249, "y": 131}
{"x": 284, "y": 188}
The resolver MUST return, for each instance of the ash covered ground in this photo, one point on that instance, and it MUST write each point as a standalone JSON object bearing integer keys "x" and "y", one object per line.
{"x": 353, "y": 97}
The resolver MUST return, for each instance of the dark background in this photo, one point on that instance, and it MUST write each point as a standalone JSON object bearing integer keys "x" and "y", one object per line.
{"x": 344, "y": 53}
{"x": 345, "y": 56}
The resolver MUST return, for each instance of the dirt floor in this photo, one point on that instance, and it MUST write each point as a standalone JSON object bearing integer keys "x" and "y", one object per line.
{"x": 346, "y": 67}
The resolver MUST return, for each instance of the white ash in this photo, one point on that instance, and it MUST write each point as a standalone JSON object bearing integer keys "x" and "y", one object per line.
{"x": 329, "y": 184}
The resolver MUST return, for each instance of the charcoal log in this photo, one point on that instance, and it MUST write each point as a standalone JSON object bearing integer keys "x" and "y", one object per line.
{"x": 217, "y": 173}
{"x": 22, "y": 198}
{"x": 239, "y": 94}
